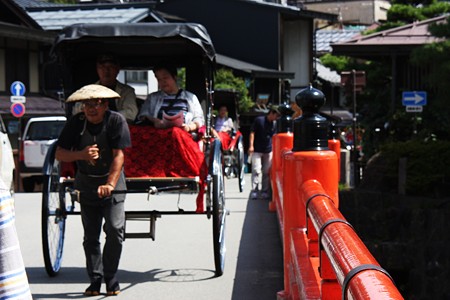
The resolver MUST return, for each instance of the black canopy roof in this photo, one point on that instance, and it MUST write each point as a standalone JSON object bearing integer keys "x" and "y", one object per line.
{"x": 135, "y": 44}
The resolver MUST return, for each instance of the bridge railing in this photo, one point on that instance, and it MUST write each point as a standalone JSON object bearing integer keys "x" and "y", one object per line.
{"x": 323, "y": 256}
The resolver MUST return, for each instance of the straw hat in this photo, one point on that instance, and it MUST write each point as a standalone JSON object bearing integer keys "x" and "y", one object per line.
{"x": 92, "y": 91}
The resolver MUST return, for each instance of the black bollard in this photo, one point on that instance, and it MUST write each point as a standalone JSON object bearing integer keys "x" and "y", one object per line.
{"x": 284, "y": 123}
{"x": 311, "y": 129}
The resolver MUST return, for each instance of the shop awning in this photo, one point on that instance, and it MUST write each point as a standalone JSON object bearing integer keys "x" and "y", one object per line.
{"x": 255, "y": 70}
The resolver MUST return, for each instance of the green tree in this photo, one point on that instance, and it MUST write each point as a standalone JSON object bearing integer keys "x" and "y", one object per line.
{"x": 435, "y": 57}
{"x": 405, "y": 12}
{"x": 372, "y": 103}
{"x": 337, "y": 63}
{"x": 225, "y": 79}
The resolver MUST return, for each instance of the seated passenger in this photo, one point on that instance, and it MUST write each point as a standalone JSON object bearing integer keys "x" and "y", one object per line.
{"x": 171, "y": 106}
{"x": 223, "y": 123}
{"x": 108, "y": 68}
{"x": 223, "y": 127}
{"x": 166, "y": 148}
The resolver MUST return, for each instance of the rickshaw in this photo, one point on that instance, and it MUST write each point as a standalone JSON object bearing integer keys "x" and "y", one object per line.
{"x": 234, "y": 155}
{"x": 139, "y": 47}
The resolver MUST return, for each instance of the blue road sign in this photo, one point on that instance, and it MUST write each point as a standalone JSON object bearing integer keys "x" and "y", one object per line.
{"x": 414, "y": 98}
{"x": 17, "y": 88}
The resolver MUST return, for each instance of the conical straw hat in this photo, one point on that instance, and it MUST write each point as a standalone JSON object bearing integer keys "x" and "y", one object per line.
{"x": 92, "y": 91}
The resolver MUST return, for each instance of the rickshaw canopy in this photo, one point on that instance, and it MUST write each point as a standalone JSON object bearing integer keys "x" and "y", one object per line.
{"x": 137, "y": 46}
{"x": 146, "y": 42}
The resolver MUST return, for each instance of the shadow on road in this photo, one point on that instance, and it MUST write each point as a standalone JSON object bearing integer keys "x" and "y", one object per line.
{"x": 259, "y": 273}
{"x": 73, "y": 275}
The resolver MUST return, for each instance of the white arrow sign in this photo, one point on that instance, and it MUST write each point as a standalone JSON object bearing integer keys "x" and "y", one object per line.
{"x": 416, "y": 98}
{"x": 17, "y": 88}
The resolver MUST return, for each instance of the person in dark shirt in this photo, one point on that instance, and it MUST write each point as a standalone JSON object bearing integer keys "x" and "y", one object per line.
{"x": 260, "y": 150}
{"x": 95, "y": 139}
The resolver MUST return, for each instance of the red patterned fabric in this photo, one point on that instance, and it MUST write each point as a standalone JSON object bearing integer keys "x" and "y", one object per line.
{"x": 165, "y": 153}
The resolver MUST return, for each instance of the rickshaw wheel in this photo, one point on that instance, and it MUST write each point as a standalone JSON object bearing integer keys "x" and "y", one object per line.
{"x": 240, "y": 164}
{"x": 218, "y": 212}
{"x": 53, "y": 219}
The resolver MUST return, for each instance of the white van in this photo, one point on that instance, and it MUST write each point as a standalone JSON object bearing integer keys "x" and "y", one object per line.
{"x": 7, "y": 166}
{"x": 38, "y": 135}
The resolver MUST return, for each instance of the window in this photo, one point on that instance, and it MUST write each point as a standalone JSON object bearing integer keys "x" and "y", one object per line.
{"x": 136, "y": 76}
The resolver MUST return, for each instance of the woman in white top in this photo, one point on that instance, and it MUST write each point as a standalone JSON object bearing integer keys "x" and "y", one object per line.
{"x": 223, "y": 122}
{"x": 163, "y": 107}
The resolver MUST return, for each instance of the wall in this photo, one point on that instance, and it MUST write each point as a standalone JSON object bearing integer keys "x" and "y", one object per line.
{"x": 238, "y": 29}
{"x": 354, "y": 12}
{"x": 297, "y": 53}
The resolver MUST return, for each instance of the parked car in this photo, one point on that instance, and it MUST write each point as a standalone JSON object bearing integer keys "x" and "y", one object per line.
{"x": 38, "y": 135}
{"x": 7, "y": 166}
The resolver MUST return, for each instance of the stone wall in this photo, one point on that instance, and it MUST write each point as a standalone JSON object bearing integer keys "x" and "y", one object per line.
{"x": 409, "y": 237}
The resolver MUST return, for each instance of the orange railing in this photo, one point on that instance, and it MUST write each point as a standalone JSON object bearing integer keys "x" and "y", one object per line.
{"x": 323, "y": 256}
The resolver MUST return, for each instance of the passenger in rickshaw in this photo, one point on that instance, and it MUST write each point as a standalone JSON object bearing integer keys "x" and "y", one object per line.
{"x": 224, "y": 128}
{"x": 108, "y": 67}
{"x": 171, "y": 106}
{"x": 166, "y": 147}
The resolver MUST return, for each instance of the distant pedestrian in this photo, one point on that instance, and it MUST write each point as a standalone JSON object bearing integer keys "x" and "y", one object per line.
{"x": 260, "y": 150}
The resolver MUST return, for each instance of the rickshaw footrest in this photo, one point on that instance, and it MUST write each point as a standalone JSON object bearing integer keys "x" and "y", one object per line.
{"x": 142, "y": 217}
{"x": 139, "y": 235}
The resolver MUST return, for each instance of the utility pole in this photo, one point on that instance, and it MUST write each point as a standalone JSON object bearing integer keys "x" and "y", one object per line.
{"x": 353, "y": 81}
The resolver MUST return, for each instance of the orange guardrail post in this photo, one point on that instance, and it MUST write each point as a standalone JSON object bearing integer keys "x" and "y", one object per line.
{"x": 310, "y": 158}
{"x": 335, "y": 145}
{"x": 323, "y": 256}
{"x": 281, "y": 143}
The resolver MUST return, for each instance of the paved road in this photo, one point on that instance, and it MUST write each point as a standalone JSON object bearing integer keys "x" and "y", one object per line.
{"x": 178, "y": 264}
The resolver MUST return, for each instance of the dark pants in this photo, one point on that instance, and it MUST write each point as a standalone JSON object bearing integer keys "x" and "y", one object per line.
{"x": 106, "y": 266}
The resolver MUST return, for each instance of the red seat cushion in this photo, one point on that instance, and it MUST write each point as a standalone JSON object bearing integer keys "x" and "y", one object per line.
{"x": 164, "y": 153}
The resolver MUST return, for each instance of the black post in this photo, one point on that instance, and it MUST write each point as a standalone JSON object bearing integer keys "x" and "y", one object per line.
{"x": 311, "y": 129}
{"x": 284, "y": 123}
{"x": 355, "y": 135}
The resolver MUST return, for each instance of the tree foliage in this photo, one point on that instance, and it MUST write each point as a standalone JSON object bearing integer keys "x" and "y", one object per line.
{"x": 405, "y": 12}
{"x": 373, "y": 103}
{"x": 435, "y": 57}
{"x": 337, "y": 63}
{"x": 225, "y": 79}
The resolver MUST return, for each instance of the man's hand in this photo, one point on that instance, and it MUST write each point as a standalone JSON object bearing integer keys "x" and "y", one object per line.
{"x": 105, "y": 190}
{"x": 90, "y": 153}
